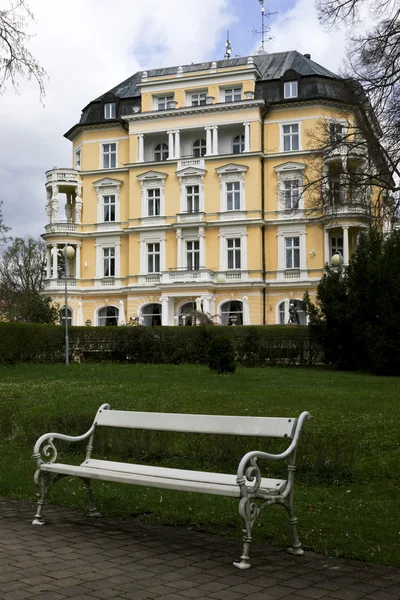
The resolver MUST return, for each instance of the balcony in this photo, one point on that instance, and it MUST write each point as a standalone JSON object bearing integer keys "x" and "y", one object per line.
{"x": 62, "y": 176}
{"x": 191, "y": 161}
{"x": 60, "y": 283}
{"x": 356, "y": 209}
{"x": 191, "y": 217}
{"x": 61, "y": 226}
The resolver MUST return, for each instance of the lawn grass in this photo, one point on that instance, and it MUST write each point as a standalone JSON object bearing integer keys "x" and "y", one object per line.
{"x": 347, "y": 491}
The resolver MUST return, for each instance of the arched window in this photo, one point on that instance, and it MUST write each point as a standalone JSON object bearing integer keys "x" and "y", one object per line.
{"x": 300, "y": 314}
{"x": 232, "y": 313}
{"x": 151, "y": 315}
{"x": 199, "y": 148}
{"x": 161, "y": 152}
{"x": 62, "y": 316}
{"x": 108, "y": 316}
{"x": 238, "y": 144}
{"x": 184, "y": 317}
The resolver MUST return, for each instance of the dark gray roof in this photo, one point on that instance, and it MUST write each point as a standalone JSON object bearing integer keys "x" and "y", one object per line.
{"x": 271, "y": 66}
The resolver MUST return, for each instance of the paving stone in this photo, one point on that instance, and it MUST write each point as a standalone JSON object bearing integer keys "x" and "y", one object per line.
{"x": 73, "y": 558}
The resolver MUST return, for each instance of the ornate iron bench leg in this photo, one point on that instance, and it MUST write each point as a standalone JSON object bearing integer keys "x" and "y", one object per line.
{"x": 44, "y": 481}
{"x": 249, "y": 511}
{"x": 295, "y": 548}
{"x": 92, "y": 508}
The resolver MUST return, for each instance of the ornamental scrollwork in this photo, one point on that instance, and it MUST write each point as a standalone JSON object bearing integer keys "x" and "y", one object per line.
{"x": 253, "y": 474}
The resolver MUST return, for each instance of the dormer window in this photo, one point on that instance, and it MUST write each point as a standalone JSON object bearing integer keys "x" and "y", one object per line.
{"x": 233, "y": 94}
{"x": 290, "y": 89}
{"x": 110, "y": 110}
{"x": 162, "y": 102}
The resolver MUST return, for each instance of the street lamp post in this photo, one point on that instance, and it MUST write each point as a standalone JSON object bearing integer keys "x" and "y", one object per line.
{"x": 337, "y": 262}
{"x": 68, "y": 252}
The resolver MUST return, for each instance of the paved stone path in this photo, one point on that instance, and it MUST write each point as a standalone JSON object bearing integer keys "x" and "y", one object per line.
{"x": 84, "y": 559}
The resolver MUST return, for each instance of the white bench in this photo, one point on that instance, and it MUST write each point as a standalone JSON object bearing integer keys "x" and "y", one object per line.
{"x": 254, "y": 491}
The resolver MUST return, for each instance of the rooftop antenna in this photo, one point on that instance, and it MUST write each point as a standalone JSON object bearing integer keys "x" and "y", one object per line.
{"x": 264, "y": 29}
{"x": 228, "y": 47}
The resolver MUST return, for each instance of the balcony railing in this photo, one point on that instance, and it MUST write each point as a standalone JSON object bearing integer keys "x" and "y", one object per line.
{"x": 62, "y": 175}
{"x": 184, "y": 162}
{"x": 60, "y": 283}
{"x": 346, "y": 209}
{"x": 61, "y": 227}
{"x": 191, "y": 217}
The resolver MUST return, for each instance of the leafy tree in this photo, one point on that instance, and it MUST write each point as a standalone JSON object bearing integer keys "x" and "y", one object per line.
{"x": 3, "y": 228}
{"x": 369, "y": 98}
{"x": 22, "y": 274}
{"x": 356, "y": 311}
{"x": 15, "y": 59}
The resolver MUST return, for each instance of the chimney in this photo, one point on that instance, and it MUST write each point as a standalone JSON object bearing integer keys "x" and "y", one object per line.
{"x": 307, "y": 55}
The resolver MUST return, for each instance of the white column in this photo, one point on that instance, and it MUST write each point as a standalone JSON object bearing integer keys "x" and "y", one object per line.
{"x": 140, "y": 147}
{"x": 202, "y": 254}
{"x": 177, "y": 143}
{"x": 246, "y": 137}
{"x": 215, "y": 139}
{"x": 171, "y": 152}
{"x": 246, "y": 311}
{"x": 55, "y": 261}
{"x": 48, "y": 262}
{"x": 206, "y": 305}
{"x": 208, "y": 140}
{"x": 77, "y": 262}
{"x": 326, "y": 247}
{"x": 303, "y": 257}
{"x": 165, "y": 311}
{"x": 121, "y": 313}
{"x": 79, "y": 319}
{"x": 345, "y": 245}
{"x": 179, "y": 238}
{"x": 99, "y": 261}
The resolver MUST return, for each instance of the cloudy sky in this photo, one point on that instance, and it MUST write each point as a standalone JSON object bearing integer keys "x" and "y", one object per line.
{"x": 86, "y": 48}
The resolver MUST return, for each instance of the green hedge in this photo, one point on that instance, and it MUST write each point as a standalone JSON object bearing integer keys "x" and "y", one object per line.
{"x": 254, "y": 345}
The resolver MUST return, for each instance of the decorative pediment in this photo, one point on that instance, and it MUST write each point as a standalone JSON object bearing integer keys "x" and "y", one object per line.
{"x": 151, "y": 176}
{"x": 290, "y": 166}
{"x": 107, "y": 182}
{"x": 191, "y": 172}
{"x": 231, "y": 168}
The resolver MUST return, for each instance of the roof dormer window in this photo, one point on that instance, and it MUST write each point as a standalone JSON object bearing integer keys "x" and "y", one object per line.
{"x": 290, "y": 89}
{"x": 110, "y": 110}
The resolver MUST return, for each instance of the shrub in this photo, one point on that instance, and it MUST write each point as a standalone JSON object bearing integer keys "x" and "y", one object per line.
{"x": 221, "y": 355}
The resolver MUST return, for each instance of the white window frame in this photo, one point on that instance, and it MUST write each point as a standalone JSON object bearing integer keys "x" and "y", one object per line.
{"x": 190, "y": 176}
{"x": 110, "y": 201}
{"x": 193, "y": 195}
{"x": 226, "y": 233}
{"x": 228, "y": 174}
{"x": 152, "y": 237}
{"x": 290, "y": 89}
{"x": 291, "y": 274}
{"x": 153, "y": 203}
{"x": 286, "y": 302}
{"x": 233, "y": 195}
{"x": 108, "y": 187}
{"x": 78, "y": 159}
{"x": 292, "y": 252}
{"x": 231, "y": 91}
{"x": 166, "y": 149}
{"x": 289, "y": 171}
{"x": 338, "y": 123}
{"x": 110, "y": 153}
{"x": 197, "y": 98}
{"x": 200, "y": 148}
{"x": 193, "y": 252}
{"x": 162, "y": 99}
{"x": 337, "y": 247}
{"x": 289, "y": 135}
{"x": 241, "y": 143}
{"x": 108, "y": 242}
{"x": 234, "y": 250}
{"x": 152, "y": 180}
{"x": 153, "y": 249}
{"x": 109, "y": 256}
{"x": 110, "y": 110}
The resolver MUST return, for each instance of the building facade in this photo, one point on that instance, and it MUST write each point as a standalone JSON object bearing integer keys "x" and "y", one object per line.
{"x": 187, "y": 192}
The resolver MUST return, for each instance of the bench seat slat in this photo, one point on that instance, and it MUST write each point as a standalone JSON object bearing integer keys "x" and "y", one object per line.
{"x": 222, "y": 424}
{"x": 193, "y": 481}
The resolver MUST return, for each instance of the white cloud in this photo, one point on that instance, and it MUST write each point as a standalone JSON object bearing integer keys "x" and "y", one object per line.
{"x": 86, "y": 49}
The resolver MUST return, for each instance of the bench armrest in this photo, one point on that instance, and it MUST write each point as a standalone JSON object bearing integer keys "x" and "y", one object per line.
{"x": 49, "y": 450}
{"x": 250, "y": 456}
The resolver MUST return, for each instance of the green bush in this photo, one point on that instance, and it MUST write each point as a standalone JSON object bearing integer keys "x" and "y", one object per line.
{"x": 221, "y": 355}
{"x": 253, "y": 346}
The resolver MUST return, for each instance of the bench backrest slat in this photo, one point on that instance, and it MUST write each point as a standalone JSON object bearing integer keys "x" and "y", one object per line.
{"x": 229, "y": 425}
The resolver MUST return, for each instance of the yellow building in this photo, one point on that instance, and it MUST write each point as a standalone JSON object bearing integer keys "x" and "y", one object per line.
{"x": 187, "y": 192}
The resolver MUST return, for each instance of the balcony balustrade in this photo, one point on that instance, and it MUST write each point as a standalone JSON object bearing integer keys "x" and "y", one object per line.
{"x": 61, "y": 226}
{"x": 62, "y": 176}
